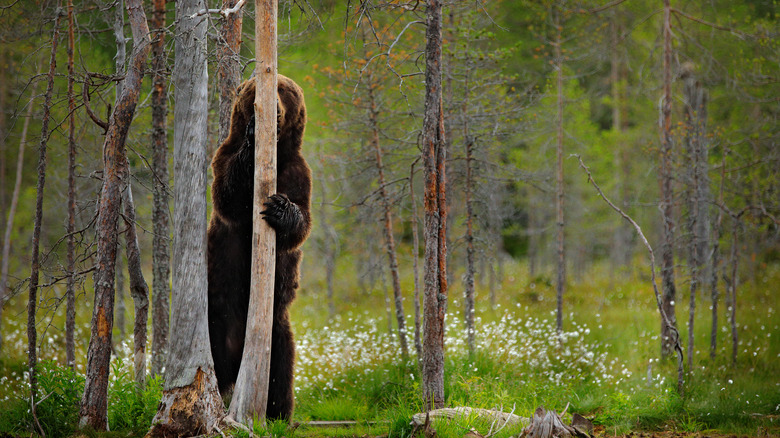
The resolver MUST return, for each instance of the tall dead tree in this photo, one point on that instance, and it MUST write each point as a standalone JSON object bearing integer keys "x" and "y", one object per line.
{"x": 698, "y": 188}
{"x": 415, "y": 266}
{"x": 228, "y": 62}
{"x": 70, "y": 287}
{"x": 434, "y": 155}
{"x": 715, "y": 262}
{"x": 560, "y": 283}
{"x": 250, "y": 396}
{"x": 387, "y": 216}
{"x": 665, "y": 180}
{"x": 32, "y": 334}
{"x": 469, "y": 307}
{"x": 94, "y": 404}
{"x": 161, "y": 272}
{"x": 191, "y": 404}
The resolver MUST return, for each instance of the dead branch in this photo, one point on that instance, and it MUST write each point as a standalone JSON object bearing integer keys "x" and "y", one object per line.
{"x": 673, "y": 329}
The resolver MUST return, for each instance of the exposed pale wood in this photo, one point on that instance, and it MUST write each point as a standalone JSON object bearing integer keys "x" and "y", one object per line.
{"x": 191, "y": 404}
{"x": 250, "y": 395}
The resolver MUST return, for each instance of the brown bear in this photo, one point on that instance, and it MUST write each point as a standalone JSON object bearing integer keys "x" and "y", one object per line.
{"x": 230, "y": 239}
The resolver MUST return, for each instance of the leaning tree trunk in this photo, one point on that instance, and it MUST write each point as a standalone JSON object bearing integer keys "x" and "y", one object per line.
{"x": 434, "y": 161}
{"x": 93, "y": 403}
{"x": 161, "y": 273}
{"x": 665, "y": 180}
{"x": 387, "y": 220}
{"x": 191, "y": 404}
{"x": 32, "y": 334}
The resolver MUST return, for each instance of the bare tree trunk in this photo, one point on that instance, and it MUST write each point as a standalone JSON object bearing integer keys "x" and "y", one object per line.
{"x": 434, "y": 160}
{"x": 250, "y": 396}
{"x": 190, "y": 404}
{"x": 70, "y": 288}
{"x": 121, "y": 310}
{"x": 32, "y": 334}
{"x": 621, "y": 251}
{"x": 665, "y": 176}
{"x": 732, "y": 301}
{"x": 698, "y": 192}
{"x": 94, "y": 403}
{"x": 9, "y": 224}
{"x": 228, "y": 64}
{"x": 715, "y": 266}
{"x": 468, "y": 316}
{"x": 161, "y": 288}
{"x": 387, "y": 220}
{"x": 415, "y": 267}
{"x": 121, "y": 50}
{"x": 328, "y": 233}
{"x": 138, "y": 289}
{"x": 561, "y": 278}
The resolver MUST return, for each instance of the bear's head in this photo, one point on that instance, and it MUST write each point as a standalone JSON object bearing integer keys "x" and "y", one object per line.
{"x": 290, "y": 112}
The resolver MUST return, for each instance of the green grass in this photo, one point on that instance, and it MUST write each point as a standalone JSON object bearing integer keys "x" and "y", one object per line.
{"x": 606, "y": 367}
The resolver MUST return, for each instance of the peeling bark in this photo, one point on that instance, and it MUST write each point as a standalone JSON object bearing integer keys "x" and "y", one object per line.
{"x": 434, "y": 161}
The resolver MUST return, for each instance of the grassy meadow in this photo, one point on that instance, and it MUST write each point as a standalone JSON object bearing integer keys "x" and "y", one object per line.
{"x": 606, "y": 364}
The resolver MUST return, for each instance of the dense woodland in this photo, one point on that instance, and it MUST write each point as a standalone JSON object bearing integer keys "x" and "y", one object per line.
{"x": 668, "y": 111}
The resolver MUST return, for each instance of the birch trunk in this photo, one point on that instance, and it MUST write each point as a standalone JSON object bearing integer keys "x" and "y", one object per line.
{"x": 161, "y": 273}
{"x": 191, "y": 404}
{"x": 434, "y": 160}
{"x": 250, "y": 396}
{"x": 93, "y": 403}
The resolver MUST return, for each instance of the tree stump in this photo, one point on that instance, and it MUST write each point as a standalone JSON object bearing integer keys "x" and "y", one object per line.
{"x": 548, "y": 424}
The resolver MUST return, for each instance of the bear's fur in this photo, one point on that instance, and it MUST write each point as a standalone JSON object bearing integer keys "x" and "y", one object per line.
{"x": 230, "y": 239}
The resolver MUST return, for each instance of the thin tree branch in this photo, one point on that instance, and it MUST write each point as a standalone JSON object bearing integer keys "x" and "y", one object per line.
{"x": 672, "y": 328}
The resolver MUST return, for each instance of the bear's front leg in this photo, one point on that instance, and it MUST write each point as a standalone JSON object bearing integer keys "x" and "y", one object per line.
{"x": 287, "y": 219}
